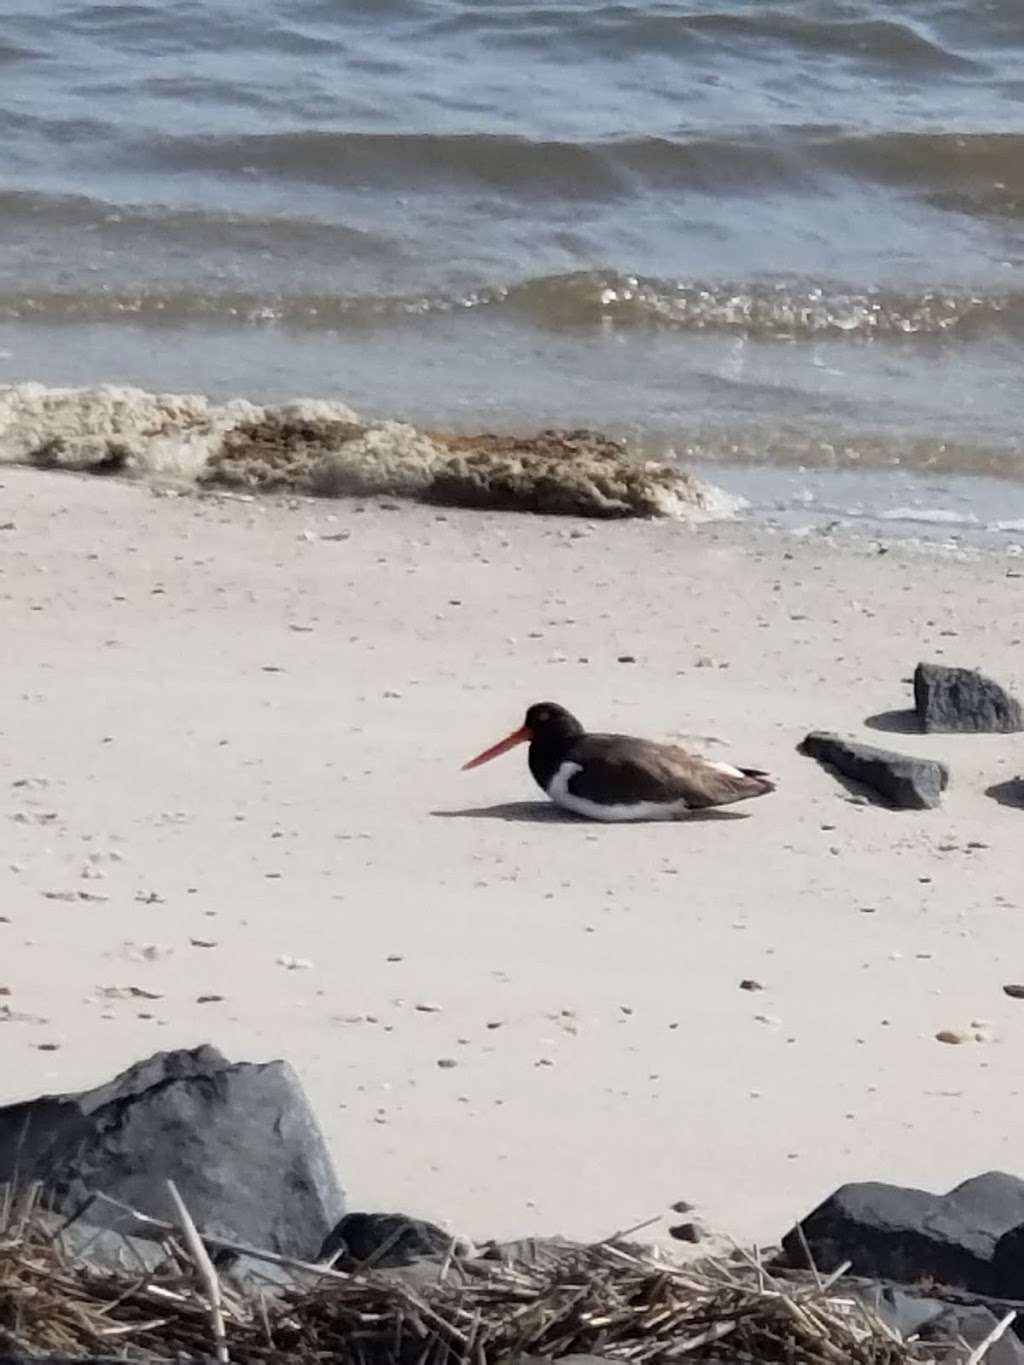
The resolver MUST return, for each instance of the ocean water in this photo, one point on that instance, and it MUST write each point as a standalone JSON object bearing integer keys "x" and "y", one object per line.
{"x": 760, "y": 235}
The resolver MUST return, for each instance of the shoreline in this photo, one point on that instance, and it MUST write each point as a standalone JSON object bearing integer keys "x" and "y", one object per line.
{"x": 220, "y": 731}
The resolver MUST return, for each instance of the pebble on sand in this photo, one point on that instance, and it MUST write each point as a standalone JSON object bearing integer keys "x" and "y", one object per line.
{"x": 980, "y": 1031}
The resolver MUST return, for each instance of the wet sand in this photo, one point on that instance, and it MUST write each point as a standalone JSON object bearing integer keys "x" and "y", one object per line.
{"x": 230, "y": 757}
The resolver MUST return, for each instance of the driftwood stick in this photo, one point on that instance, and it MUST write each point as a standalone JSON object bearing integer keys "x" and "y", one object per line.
{"x": 240, "y": 1248}
{"x": 205, "y": 1270}
{"x": 982, "y": 1349}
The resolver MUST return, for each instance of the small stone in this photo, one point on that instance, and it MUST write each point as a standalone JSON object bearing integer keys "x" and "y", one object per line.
{"x": 294, "y": 964}
{"x": 128, "y": 993}
{"x": 446, "y": 1063}
{"x": 429, "y": 1007}
{"x": 209, "y": 999}
{"x": 749, "y": 984}
{"x": 203, "y": 942}
{"x": 682, "y": 1206}
{"x": 685, "y": 1232}
{"x": 627, "y": 659}
{"x": 1014, "y": 992}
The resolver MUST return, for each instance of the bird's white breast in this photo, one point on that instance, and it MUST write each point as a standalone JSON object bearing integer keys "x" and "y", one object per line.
{"x": 558, "y": 791}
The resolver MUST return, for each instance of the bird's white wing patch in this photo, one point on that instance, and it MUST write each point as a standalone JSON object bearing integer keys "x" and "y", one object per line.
{"x": 726, "y": 768}
{"x": 558, "y": 791}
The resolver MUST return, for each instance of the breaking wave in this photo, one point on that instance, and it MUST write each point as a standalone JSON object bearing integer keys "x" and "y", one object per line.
{"x": 571, "y": 301}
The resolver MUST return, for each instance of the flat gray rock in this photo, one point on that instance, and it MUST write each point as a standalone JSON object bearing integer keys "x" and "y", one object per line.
{"x": 901, "y": 780}
{"x": 959, "y": 700}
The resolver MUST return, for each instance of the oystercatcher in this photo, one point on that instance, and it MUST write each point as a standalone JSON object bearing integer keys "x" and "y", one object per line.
{"x": 617, "y": 777}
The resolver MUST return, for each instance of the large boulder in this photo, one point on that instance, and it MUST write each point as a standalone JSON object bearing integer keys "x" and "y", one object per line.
{"x": 890, "y": 1232}
{"x": 901, "y": 780}
{"x": 951, "y": 700}
{"x": 239, "y": 1140}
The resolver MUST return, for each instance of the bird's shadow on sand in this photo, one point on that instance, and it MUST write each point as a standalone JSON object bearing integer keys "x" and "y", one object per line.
{"x": 543, "y": 812}
{"x": 904, "y": 722}
{"x": 1009, "y": 793}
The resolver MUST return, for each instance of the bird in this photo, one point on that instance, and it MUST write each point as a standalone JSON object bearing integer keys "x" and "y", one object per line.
{"x": 619, "y": 777}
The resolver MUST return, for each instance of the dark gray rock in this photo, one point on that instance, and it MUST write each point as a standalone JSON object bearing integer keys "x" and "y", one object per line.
{"x": 890, "y": 1232}
{"x": 239, "y": 1141}
{"x": 1008, "y": 1264}
{"x": 1008, "y": 793}
{"x": 935, "y": 1321}
{"x": 903, "y": 781}
{"x": 973, "y": 1325}
{"x": 383, "y": 1240}
{"x": 958, "y": 700}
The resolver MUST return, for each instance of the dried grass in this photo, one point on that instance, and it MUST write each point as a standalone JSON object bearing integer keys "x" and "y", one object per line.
{"x": 609, "y": 1299}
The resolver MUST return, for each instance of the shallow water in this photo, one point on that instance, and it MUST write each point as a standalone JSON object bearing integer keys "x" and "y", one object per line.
{"x": 752, "y": 232}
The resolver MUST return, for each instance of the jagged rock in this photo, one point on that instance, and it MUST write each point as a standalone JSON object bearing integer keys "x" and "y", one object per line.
{"x": 239, "y": 1141}
{"x": 952, "y": 700}
{"x": 905, "y": 782}
{"x": 890, "y": 1232}
{"x": 383, "y": 1239}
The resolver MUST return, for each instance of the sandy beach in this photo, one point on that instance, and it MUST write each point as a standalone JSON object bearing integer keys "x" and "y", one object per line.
{"x": 231, "y": 737}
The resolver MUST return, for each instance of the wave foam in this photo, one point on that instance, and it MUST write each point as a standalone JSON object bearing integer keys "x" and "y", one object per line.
{"x": 322, "y": 447}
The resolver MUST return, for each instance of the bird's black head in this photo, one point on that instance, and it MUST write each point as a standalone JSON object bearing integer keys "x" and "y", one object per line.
{"x": 549, "y": 723}
{"x": 548, "y": 728}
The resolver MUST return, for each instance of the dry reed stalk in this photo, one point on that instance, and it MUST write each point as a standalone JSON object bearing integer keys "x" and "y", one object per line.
{"x": 616, "y": 1301}
{"x": 204, "y": 1269}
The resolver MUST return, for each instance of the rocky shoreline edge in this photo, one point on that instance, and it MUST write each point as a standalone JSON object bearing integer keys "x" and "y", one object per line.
{"x": 189, "y": 1210}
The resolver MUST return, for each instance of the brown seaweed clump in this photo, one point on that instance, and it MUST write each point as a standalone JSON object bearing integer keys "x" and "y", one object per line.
{"x": 581, "y": 473}
{"x": 271, "y": 454}
{"x": 568, "y": 473}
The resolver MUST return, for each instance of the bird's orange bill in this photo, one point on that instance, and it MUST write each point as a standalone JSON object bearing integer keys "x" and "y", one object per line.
{"x": 520, "y": 736}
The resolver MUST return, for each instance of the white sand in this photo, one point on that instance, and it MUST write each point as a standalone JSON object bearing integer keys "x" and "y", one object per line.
{"x": 291, "y": 813}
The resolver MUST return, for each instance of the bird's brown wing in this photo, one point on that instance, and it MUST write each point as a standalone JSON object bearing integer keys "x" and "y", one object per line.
{"x": 639, "y": 770}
